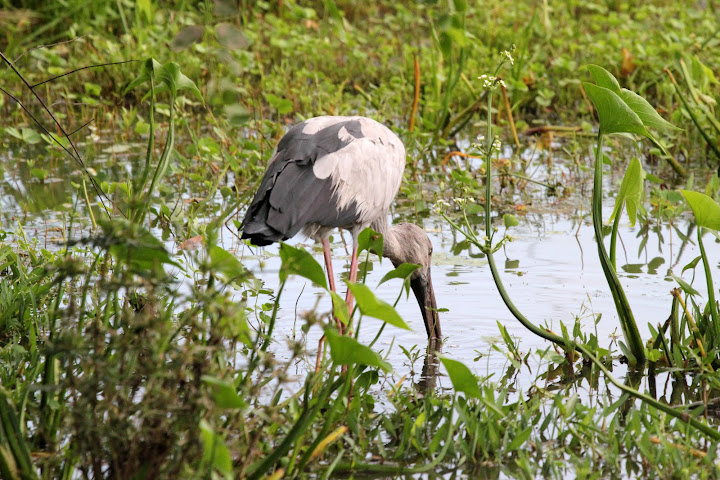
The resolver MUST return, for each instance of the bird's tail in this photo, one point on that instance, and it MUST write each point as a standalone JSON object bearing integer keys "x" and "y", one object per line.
{"x": 255, "y": 227}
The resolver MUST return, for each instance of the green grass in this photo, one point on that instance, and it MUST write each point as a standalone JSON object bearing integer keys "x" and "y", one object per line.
{"x": 110, "y": 369}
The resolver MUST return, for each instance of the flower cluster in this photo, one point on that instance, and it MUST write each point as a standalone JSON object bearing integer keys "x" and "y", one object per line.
{"x": 490, "y": 82}
{"x": 508, "y": 54}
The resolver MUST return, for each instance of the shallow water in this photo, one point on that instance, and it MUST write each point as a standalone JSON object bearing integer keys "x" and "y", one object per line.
{"x": 551, "y": 270}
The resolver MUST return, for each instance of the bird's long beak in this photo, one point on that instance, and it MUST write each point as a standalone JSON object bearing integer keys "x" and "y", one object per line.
{"x": 423, "y": 289}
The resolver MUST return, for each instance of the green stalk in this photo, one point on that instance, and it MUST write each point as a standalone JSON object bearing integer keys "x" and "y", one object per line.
{"x": 710, "y": 286}
{"x": 627, "y": 320}
{"x": 303, "y": 423}
{"x": 397, "y": 469}
{"x": 613, "y": 237}
{"x": 583, "y": 349}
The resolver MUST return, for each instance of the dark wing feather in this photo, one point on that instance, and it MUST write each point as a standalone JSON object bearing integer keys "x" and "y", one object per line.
{"x": 290, "y": 196}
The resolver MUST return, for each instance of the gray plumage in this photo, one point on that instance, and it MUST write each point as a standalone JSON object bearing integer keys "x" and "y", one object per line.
{"x": 330, "y": 172}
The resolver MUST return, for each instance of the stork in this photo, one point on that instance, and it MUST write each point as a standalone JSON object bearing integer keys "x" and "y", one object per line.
{"x": 329, "y": 172}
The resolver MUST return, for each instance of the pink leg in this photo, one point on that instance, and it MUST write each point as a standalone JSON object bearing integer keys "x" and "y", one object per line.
{"x": 328, "y": 264}
{"x": 353, "y": 276}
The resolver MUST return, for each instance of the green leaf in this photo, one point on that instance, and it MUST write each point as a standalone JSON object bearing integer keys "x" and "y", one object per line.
{"x": 370, "y": 240}
{"x": 147, "y": 71}
{"x": 615, "y": 115}
{"x": 510, "y": 220}
{"x": 226, "y": 264}
{"x": 171, "y": 77}
{"x": 282, "y": 105}
{"x": 224, "y": 393}
{"x": 631, "y": 190}
{"x": 685, "y": 286}
{"x": 168, "y": 76}
{"x": 215, "y": 453}
{"x": 348, "y": 351}
{"x": 648, "y": 115}
{"x": 519, "y": 439}
{"x": 372, "y": 306}
{"x": 692, "y": 263}
{"x": 296, "y": 261}
{"x": 461, "y": 377}
{"x": 705, "y": 209}
{"x": 404, "y": 270}
{"x": 340, "y": 308}
{"x": 603, "y": 78}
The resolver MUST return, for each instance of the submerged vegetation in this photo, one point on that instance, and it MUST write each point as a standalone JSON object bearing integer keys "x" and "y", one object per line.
{"x": 135, "y": 344}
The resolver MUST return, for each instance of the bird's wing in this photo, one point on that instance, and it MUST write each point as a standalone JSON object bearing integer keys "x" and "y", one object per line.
{"x": 333, "y": 171}
{"x": 366, "y": 172}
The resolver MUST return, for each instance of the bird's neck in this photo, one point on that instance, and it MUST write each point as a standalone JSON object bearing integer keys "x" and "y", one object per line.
{"x": 390, "y": 241}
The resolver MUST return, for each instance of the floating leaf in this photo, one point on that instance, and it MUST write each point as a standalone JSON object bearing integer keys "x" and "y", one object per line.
{"x": 705, "y": 209}
{"x": 631, "y": 190}
{"x": 296, "y": 261}
{"x": 348, "y": 351}
{"x": 461, "y": 377}
{"x": 372, "y": 306}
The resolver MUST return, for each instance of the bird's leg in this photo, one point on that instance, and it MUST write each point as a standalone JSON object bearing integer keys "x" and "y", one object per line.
{"x": 331, "y": 283}
{"x": 353, "y": 277}
{"x": 328, "y": 263}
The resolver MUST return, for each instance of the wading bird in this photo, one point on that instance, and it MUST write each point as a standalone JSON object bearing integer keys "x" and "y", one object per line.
{"x": 330, "y": 172}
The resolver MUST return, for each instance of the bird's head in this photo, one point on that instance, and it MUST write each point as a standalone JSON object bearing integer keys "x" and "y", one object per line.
{"x": 412, "y": 245}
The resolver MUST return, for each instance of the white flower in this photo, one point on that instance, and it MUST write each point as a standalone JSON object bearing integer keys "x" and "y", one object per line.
{"x": 509, "y": 56}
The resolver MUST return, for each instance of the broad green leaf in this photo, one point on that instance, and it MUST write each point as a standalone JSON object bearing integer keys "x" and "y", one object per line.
{"x": 171, "y": 76}
{"x": 648, "y": 115}
{"x": 615, "y": 115}
{"x": 705, "y": 209}
{"x": 348, "y": 351}
{"x": 215, "y": 453}
{"x": 147, "y": 71}
{"x": 461, "y": 377}
{"x": 296, "y": 261}
{"x": 372, "y": 306}
{"x": 603, "y": 78}
{"x": 404, "y": 270}
{"x": 340, "y": 308}
{"x": 225, "y": 263}
{"x": 168, "y": 77}
{"x": 224, "y": 393}
{"x": 510, "y": 220}
{"x": 631, "y": 190}
{"x": 370, "y": 240}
